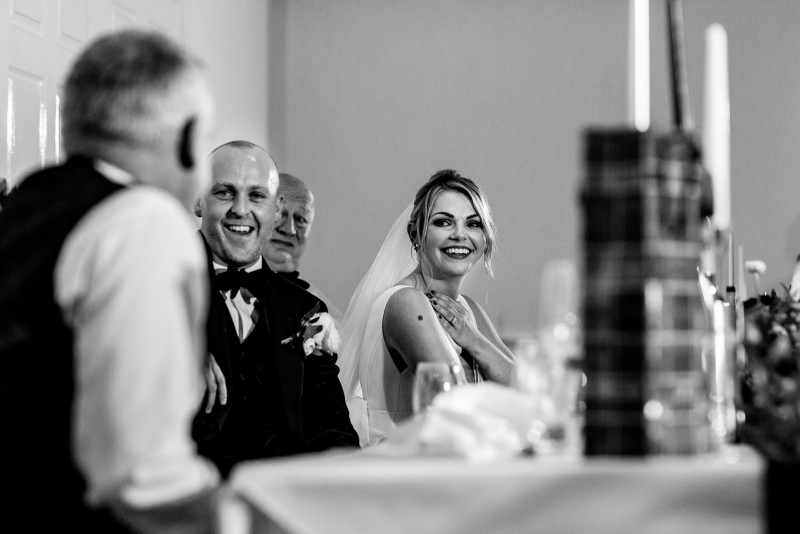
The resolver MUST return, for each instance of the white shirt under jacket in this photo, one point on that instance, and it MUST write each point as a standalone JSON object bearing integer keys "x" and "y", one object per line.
{"x": 131, "y": 283}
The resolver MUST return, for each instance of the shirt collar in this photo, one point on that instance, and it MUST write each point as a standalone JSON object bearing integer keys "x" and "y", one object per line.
{"x": 112, "y": 172}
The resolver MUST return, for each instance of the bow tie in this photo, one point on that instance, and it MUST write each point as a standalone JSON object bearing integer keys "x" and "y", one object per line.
{"x": 235, "y": 279}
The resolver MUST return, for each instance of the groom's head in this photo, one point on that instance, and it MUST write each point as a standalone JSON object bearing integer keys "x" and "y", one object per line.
{"x": 239, "y": 209}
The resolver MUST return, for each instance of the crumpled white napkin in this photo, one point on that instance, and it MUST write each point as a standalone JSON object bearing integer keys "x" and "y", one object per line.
{"x": 480, "y": 422}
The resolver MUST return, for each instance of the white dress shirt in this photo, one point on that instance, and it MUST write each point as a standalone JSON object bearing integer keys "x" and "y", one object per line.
{"x": 130, "y": 282}
{"x": 243, "y": 306}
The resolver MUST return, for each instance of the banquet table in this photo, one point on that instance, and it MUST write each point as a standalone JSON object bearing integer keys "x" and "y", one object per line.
{"x": 385, "y": 491}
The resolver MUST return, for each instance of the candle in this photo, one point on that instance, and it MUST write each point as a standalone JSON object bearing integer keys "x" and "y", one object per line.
{"x": 742, "y": 289}
{"x": 730, "y": 259}
{"x": 716, "y": 123}
{"x": 719, "y": 357}
{"x": 639, "y": 65}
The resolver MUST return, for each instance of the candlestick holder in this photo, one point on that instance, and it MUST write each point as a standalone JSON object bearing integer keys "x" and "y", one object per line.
{"x": 719, "y": 360}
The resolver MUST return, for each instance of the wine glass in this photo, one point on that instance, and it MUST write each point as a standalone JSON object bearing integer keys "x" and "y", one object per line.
{"x": 431, "y": 379}
{"x": 552, "y": 369}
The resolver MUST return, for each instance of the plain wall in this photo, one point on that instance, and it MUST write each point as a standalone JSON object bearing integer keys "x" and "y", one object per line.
{"x": 377, "y": 95}
{"x": 230, "y": 36}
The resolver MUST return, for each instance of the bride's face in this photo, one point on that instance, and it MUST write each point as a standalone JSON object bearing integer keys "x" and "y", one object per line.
{"x": 455, "y": 239}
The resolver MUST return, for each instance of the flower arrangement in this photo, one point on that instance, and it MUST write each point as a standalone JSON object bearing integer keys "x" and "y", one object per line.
{"x": 770, "y": 377}
{"x": 317, "y": 333}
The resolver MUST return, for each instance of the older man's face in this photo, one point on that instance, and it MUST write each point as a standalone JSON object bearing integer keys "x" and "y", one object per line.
{"x": 238, "y": 212}
{"x": 288, "y": 240}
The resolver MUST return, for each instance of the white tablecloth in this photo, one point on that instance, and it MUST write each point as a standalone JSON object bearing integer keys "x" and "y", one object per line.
{"x": 376, "y": 492}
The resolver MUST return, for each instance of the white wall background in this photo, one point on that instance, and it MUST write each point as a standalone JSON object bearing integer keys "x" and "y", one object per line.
{"x": 231, "y": 37}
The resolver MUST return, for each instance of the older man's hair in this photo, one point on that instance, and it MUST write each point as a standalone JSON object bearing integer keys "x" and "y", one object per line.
{"x": 128, "y": 86}
{"x": 298, "y": 187}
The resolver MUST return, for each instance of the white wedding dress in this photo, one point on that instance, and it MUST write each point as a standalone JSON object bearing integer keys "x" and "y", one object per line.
{"x": 386, "y": 389}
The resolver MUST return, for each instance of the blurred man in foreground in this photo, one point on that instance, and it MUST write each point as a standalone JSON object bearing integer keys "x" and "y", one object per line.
{"x": 104, "y": 301}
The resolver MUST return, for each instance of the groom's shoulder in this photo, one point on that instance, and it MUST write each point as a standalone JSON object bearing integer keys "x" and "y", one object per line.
{"x": 293, "y": 294}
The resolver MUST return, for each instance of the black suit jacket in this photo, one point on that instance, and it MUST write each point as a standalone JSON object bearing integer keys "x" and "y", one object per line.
{"x": 301, "y": 395}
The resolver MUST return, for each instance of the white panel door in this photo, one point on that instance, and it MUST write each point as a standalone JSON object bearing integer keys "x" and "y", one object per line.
{"x": 38, "y": 41}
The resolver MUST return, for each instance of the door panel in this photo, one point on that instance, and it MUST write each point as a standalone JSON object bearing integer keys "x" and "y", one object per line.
{"x": 28, "y": 13}
{"x": 27, "y": 122}
{"x": 39, "y": 39}
{"x": 73, "y": 22}
{"x": 28, "y": 87}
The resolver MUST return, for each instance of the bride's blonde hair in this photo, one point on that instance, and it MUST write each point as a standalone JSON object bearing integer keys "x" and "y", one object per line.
{"x": 450, "y": 180}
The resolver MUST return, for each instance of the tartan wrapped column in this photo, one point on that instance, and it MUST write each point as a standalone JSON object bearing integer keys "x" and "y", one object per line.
{"x": 642, "y": 312}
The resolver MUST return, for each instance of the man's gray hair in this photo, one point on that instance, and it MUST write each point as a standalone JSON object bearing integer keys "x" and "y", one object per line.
{"x": 126, "y": 86}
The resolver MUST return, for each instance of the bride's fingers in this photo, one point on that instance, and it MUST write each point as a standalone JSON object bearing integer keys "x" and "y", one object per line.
{"x": 442, "y": 298}
{"x": 451, "y": 321}
{"x": 445, "y": 305}
{"x": 450, "y": 313}
{"x": 447, "y": 316}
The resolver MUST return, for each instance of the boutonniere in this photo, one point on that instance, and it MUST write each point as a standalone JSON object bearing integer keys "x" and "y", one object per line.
{"x": 317, "y": 333}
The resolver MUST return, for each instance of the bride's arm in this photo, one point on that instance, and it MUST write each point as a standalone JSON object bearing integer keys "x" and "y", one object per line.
{"x": 478, "y": 338}
{"x": 411, "y": 329}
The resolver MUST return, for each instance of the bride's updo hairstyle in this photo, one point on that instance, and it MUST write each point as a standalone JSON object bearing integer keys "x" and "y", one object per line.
{"x": 450, "y": 180}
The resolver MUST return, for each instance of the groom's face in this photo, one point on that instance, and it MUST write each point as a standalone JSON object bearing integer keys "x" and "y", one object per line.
{"x": 238, "y": 212}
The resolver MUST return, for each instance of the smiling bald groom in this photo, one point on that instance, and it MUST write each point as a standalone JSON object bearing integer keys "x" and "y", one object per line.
{"x": 273, "y": 342}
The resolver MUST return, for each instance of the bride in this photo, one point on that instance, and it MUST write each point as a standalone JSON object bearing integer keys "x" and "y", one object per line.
{"x": 409, "y": 308}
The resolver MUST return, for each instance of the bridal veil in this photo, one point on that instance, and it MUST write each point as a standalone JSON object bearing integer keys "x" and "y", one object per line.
{"x": 395, "y": 260}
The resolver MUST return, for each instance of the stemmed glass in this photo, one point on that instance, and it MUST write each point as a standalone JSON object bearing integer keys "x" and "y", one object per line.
{"x": 431, "y": 379}
{"x": 551, "y": 368}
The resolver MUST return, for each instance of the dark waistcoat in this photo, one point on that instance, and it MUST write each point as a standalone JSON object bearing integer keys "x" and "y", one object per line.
{"x": 36, "y": 351}
{"x": 252, "y": 424}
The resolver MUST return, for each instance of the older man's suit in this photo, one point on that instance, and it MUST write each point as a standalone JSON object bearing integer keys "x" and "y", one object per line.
{"x": 280, "y": 401}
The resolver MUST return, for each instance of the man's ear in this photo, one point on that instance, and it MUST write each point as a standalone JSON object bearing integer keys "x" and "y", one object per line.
{"x": 279, "y": 200}
{"x": 198, "y": 209}
{"x": 186, "y": 144}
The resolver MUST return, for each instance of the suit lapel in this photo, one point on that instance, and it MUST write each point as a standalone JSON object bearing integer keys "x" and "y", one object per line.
{"x": 287, "y": 358}
{"x": 220, "y": 324}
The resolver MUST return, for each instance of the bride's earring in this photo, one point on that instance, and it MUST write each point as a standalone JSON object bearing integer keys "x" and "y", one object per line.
{"x": 415, "y": 251}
